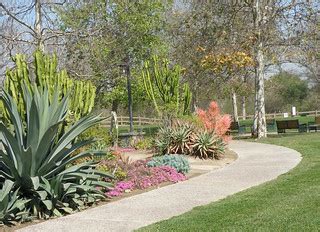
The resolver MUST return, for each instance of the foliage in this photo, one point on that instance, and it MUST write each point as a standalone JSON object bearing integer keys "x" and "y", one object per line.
{"x": 127, "y": 30}
{"x": 163, "y": 140}
{"x": 12, "y": 207}
{"x": 181, "y": 134}
{"x": 121, "y": 187}
{"x": 141, "y": 176}
{"x": 101, "y": 134}
{"x": 208, "y": 145}
{"x": 162, "y": 85}
{"x": 214, "y": 121}
{"x": 285, "y": 90}
{"x": 230, "y": 62}
{"x": 175, "y": 139}
{"x": 117, "y": 167}
{"x": 46, "y": 75}
{"x": 144, "y": 144}
{"x": 145, "y": 177}
{"x": 37, "y": 155}
{"x": 183, "y": 138}
{"x": 178, "y": 162}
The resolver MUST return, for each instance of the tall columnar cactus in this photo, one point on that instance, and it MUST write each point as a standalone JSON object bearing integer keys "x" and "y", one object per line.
{"x": 46, "y": 75}
{"x": 187, "y": 96}
{"x": 162, "y": 85}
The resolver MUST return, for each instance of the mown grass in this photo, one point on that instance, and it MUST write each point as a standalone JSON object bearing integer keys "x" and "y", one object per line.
{"x": 289, "y": 203}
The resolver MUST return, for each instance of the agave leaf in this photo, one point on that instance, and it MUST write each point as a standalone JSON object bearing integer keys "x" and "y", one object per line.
{"x": 57, "y": 213}
{"x": 78, "y": 128}
{"x": 48, "y": 204}
{"x": 12, "y": 109}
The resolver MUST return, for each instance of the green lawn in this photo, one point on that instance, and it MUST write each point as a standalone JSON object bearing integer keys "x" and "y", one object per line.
{"x": 289, "y": 203}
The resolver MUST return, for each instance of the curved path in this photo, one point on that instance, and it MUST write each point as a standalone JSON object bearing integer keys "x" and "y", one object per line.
{"x": 256, "y": 164}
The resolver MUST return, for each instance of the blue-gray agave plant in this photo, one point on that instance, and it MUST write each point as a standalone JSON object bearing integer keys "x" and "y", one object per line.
{"x": 12, "y": 207}
{"x": 38, "y": 156}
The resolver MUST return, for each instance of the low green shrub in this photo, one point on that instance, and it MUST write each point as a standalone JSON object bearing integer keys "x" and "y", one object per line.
{"x": 144, "y": 144}
{"x": 101, "y": 134}
{"x": 178, "y": 162}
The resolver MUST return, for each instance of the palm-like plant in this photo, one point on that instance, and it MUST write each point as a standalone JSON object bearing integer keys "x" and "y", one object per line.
{"x": 38, "y": 155}
{"x": 207, "y": 145}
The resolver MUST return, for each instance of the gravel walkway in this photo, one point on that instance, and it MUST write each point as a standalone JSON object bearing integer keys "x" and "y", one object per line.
{"x": 256, "y": 164}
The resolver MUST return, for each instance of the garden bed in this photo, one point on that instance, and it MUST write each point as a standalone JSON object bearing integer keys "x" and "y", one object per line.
{"x": 198, "y": 167}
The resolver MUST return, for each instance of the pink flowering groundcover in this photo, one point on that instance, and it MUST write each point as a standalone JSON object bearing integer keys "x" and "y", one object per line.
{"x": 140, "y": 176}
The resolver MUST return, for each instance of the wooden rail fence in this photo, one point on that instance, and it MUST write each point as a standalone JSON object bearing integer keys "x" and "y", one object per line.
{"x": 279, "y": 115}
{"x": 143, "y": 121}
{"x": 140, "y": 121}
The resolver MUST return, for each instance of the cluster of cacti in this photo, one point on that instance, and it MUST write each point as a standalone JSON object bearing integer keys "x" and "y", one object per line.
{"x": 162, "y": 82}
{"x": 46, "y": 75}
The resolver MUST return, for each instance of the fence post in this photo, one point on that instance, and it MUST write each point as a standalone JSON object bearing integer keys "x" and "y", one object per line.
{"x": 139, "y": 120}
{"x": 316, "y": 113}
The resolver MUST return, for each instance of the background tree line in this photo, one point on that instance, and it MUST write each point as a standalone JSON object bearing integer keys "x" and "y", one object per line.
{"x": 227, "y": 49}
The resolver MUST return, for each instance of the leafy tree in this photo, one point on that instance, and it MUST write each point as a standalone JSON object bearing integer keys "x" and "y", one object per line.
{"x": 123, "y": 34}
{"x": 285, "y": 90}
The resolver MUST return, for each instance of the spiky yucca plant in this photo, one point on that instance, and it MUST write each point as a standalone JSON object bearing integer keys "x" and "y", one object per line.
{"x": 207, "y": 145}
{"x": 163, "y": 142}
{"x": 38, "y": 156}
{"x": 181, "y": 135}
{"x": 174, "y": 140}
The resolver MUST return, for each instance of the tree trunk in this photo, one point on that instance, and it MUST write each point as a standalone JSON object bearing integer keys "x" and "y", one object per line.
{"x": 115, "y": 105}
{"x": 244, "y": 112}
{"x": 129, "y": 96}
{"x": 261, "y": 113}
{"x": 38, "y": 24}
{"x": 244, "y": 101}
{"x": 260, "y": 129}
{"x": 235, "y": 107}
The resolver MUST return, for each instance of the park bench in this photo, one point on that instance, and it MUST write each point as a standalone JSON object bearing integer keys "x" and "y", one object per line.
{"x": 283, "y": 125}
{"x": 314, "y": 125}
{"x": 235, "y": 127}
{"x": 271, "y": 124}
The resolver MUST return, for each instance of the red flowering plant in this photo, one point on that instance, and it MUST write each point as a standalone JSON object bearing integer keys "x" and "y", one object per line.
{"x": 214, "y": 121}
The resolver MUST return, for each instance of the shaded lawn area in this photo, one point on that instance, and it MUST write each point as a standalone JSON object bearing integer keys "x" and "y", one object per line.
{"x": 289, "y": 203}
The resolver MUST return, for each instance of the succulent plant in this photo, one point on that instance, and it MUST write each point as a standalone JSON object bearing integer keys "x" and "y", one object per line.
{"x": 175, "y": 139}
{"x": 12, "y": 207}
{"x": 163, "y": 141}
{"x": 37, "y": 156}
{"x": 207, "y": 145}
{"x": 181, "y": 134}
{"x": 178, "y": 162}
{"x": 162, "y": 82}
{"x": 47, "y": 76}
